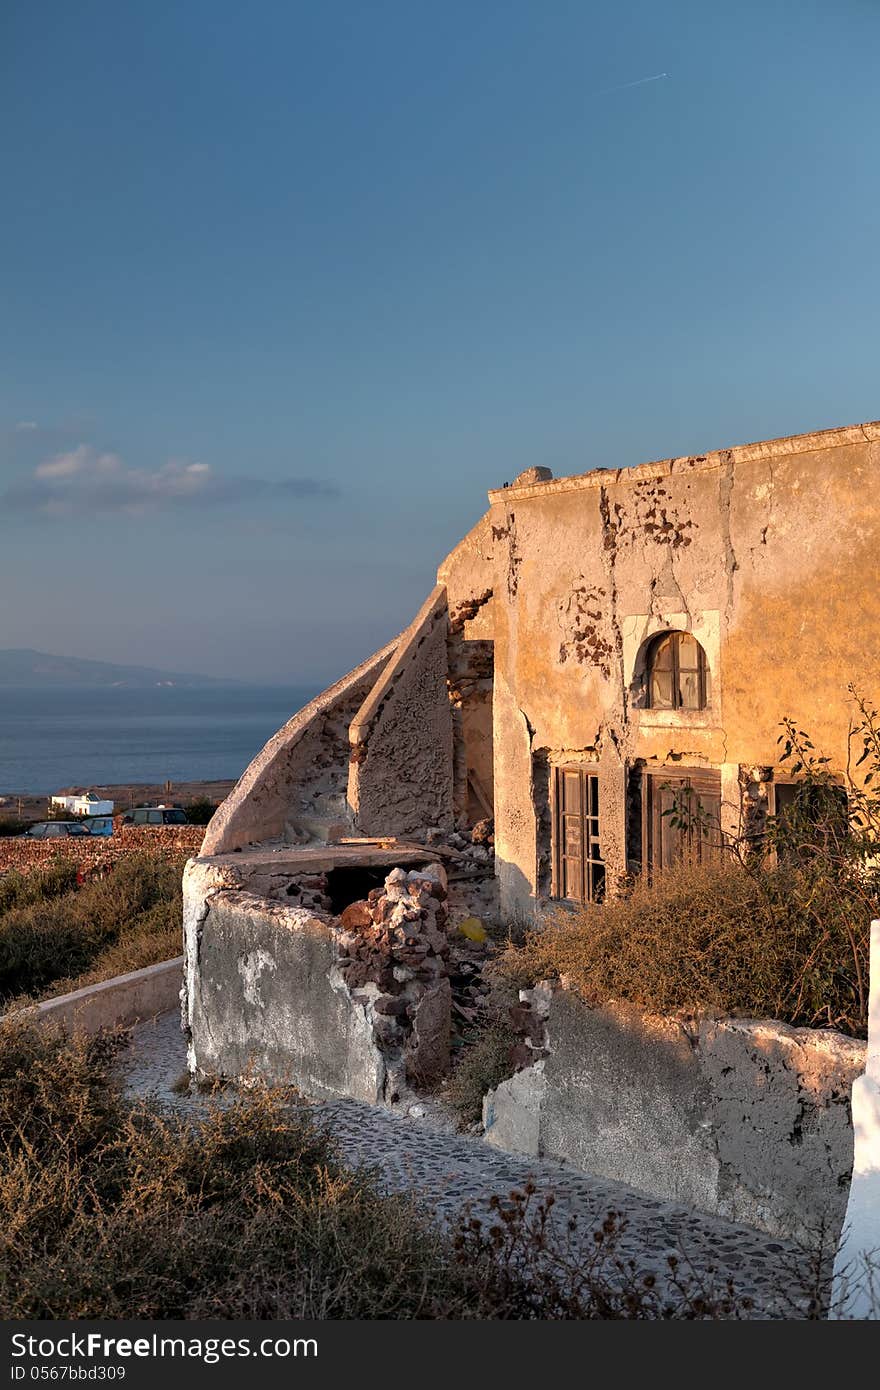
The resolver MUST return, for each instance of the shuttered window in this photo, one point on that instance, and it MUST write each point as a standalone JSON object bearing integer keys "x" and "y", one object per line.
{"x": 578, "y": 870}
{"x": 681, "y": 817}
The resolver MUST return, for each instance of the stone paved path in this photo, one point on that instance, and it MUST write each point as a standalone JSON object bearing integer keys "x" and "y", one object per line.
{"x": 444, "y": 1170}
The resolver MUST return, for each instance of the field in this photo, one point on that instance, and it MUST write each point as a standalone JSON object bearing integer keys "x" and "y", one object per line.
{"x": 62, "y": 928}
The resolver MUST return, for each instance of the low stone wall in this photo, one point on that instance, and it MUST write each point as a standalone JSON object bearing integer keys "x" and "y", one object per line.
{"x": 87, "y": 851}
{"x": 265, "y": 1004}
{"x": 124, "y": 1000}
{"x": 356, "y": 1004}
{"x": 746, "y": 1119}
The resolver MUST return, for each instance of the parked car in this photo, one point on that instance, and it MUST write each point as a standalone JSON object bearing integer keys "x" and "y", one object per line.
{"x": 99, "y": 825}
{"x": 56, "y": 830}
{"x": 155, "y": 815}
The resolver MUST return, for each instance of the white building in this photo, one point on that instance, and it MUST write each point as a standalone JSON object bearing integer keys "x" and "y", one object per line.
{"x": 83, "y": 804}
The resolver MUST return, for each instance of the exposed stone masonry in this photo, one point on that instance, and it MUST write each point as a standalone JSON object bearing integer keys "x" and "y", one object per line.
{"x": 96, "y": 851}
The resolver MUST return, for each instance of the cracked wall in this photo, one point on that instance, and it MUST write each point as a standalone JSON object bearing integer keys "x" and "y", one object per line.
{"x": 749, "y": 1120}
{"x": 400, "y": 779}
{"x": 766, "y": 554}
{"x": 467, "y": 574}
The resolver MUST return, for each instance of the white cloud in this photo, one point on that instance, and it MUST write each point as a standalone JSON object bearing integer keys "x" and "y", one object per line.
{"x": 24, "y": 425}
{"x": 84, "y": 481}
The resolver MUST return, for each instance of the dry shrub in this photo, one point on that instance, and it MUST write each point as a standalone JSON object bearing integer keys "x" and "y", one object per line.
{"x": 111, "y": 1210}
{"x": 55, "y": 936}
{"x": 786, "y": 942}
{"x": 484, "y": 1062}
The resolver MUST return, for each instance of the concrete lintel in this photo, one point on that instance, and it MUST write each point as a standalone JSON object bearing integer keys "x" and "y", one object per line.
{"x": 317, "y": 859}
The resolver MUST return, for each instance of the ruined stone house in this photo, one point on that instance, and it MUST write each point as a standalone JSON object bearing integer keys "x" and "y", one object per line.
{"x": 595, "y": 646}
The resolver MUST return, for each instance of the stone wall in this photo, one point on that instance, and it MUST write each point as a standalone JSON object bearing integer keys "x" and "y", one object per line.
{"x": 353, "y": 1003}
{"x": 264, "y": 1002}
{"x": 746, "y": 1119}
{"x": 735, "y": 547}
{"x": 167, "y": 841}
{"x": 467, "y": 574}
{"x": 401, "y": 771}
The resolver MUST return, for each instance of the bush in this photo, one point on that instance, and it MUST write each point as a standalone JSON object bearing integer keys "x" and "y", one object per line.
{"x": 200, "y": 811}
{"x": 55, "y": 936}
{"x": 779, "y": 927}
{"x": 42, "y": 885}
{"x": 775, "y": 943}
{"x": 483, "y": 1064}
{"x": 116, "y": 1211}
{"x": 11, "y": 826}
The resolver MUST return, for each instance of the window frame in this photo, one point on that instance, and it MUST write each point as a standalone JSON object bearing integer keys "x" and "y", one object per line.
{"x": 592, "y": 882}
{"x": 792, "y": 783}
{"x": 674, "y": 636}
{"x": 698, "y": 782}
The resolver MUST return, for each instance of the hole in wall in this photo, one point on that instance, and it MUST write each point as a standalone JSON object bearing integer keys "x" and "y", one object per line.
{"x": 352, "y": 883}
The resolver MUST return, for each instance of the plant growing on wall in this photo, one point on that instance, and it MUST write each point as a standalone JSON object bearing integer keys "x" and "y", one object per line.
{"x": 818, "y": 859}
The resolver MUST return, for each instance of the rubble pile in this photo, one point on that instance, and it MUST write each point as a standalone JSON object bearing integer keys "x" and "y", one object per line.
{"x": 394, "y": 949}
{"x": 528, "y": 1019}
{"x": 476, "y": 846}
{"x": 473, "y": 888}
{"x": 309, "y": 891}
{"x": 470, "y": 992}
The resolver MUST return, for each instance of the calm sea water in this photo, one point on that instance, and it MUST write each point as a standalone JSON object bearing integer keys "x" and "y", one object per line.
{"x": 57, "y": 738}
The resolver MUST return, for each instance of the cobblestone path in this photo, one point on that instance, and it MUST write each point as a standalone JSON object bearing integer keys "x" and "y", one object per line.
{"x": 444, "y": 1170}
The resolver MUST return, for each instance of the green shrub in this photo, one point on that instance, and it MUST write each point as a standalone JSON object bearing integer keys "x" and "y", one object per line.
{"x": 482, "y": 1065}
{"x": 11, "y": 825}
{"x": 200, "y": 811}
{"x": 41, "y": 885}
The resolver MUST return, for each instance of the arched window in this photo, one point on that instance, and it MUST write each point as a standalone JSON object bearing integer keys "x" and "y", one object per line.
{"x": 676, "y": 672}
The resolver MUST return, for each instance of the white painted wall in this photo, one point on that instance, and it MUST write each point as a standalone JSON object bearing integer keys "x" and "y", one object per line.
{"x": 856, "y": 1289}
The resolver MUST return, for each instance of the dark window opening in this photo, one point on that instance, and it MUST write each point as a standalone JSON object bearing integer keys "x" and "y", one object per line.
{"x": 808, "y": 816}
{"x": 676, "y": 672}
{"x": 351, "y": 884}
{"x": 579, "y": 871}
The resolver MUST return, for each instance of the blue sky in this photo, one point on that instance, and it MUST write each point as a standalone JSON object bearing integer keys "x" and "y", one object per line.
{"x": 287, "y": 287}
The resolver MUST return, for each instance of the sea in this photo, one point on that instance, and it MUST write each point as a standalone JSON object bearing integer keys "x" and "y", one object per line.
{"x": 76, "y": 737}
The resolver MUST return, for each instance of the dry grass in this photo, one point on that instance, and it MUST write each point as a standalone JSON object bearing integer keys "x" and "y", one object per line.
{"x": 55, "y": 936}
{"x": 789, "y": 943}
{"x": 116, "y": 1211}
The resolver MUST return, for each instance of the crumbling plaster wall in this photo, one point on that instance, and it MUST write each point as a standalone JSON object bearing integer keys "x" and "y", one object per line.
{"x": 767, "y": 553}
{"x": 267, "y": 999}
{"x": 281, "y": 984}
{"x": 467, "y": 575}
{"x": 296, "y": 786}
{"x": 401, "y": 761}
{"x": 749, "y": 1119}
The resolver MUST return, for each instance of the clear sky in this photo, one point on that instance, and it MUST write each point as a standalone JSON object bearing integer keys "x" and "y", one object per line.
{"x": 287, "y": 286}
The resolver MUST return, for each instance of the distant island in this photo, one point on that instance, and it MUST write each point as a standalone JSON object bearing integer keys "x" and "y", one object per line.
{"x": 21, "y": 668}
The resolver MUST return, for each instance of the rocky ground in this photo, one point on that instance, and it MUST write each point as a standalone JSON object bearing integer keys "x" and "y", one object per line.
{"x": 418, "y": 1152}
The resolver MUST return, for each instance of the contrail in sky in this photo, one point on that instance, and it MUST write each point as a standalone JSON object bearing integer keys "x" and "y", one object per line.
{"x": 658, "y": 77}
